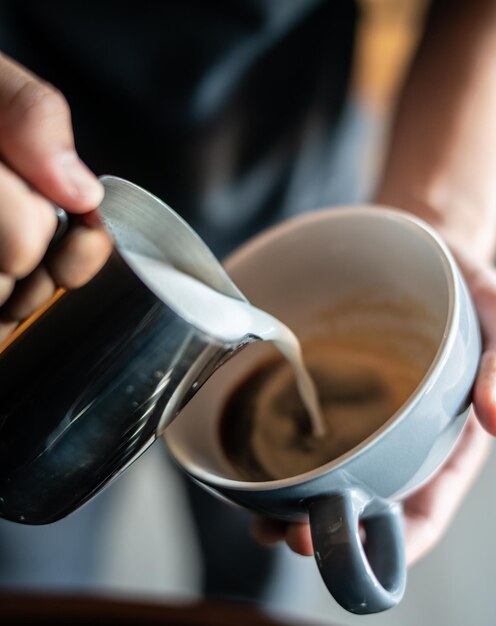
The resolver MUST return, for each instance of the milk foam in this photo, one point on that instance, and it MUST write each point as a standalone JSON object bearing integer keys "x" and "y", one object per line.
{"x": 227, "y": 319}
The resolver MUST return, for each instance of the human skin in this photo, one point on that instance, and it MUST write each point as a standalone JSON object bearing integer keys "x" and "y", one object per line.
{"x": 440, "y": 166}
{"x": 39, "y": 166}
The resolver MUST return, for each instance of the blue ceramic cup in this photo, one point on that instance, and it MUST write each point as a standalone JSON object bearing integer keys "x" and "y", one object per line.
{"x": 399, "y": 285}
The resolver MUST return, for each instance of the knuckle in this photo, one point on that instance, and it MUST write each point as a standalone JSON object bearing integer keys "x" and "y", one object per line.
{"x": 18, "y": 256}
{"x": 6, "y": 287}
{"x": 37, "y": 101}
{"x": 23, "y": 242}
{"x": 79, "y": 258}
{"x": 27, "y": 224}
{"x": 30, "y": 294}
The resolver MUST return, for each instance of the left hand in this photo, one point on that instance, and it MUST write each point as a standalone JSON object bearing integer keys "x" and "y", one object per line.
{"x": 428, "y": 512}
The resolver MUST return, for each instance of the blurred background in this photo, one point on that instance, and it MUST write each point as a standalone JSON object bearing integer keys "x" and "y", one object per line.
{"x": 145, "y": 546}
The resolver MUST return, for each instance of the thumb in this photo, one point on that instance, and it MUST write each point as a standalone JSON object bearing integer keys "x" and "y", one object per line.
{"x": 481, "y": 279}
{"x": 36, "y": 140}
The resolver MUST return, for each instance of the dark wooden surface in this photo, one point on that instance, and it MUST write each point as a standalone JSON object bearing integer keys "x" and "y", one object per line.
{"x": 18, "y": 608}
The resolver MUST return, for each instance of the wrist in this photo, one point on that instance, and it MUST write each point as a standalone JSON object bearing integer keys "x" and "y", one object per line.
{"x": 467, "y": 224}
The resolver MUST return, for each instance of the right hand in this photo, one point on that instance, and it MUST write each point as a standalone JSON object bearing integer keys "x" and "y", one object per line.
{"x": 39, "y": 166}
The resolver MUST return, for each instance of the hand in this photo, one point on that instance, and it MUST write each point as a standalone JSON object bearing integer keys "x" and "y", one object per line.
{"x": 428, "y": 512}
{"x": 39, "y": 165}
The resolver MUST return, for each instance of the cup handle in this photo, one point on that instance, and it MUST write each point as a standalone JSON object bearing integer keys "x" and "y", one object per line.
{"x": 361, "y": 581}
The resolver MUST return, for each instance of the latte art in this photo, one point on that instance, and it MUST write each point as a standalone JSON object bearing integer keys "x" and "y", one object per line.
{"x": 265, "y": 428}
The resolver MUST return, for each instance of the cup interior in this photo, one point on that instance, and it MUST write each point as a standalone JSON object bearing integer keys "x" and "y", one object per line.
{"x": 358, "y": 273}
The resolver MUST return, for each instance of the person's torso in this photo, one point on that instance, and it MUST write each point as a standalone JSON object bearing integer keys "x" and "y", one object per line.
{"x": 220, "y": 107}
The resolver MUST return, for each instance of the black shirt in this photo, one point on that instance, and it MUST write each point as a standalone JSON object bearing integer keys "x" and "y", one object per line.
{"x": 226, "y": 109}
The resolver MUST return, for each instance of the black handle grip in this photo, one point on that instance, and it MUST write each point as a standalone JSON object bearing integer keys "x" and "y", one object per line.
{"x": 65, "y": 222}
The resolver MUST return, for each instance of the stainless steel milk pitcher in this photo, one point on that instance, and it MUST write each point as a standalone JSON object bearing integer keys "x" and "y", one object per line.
{"x": 90, "y": 384}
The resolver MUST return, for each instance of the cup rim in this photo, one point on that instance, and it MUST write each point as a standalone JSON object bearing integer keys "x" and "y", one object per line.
{"x": 432, "y": 373}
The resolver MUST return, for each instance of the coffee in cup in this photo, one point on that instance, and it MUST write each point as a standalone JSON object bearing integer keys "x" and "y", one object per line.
{"x": 265, "y": 430}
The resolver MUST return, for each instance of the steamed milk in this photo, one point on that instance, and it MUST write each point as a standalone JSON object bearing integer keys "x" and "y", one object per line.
{"x": 229, "y": 320}
{"x": 264, "y": 426}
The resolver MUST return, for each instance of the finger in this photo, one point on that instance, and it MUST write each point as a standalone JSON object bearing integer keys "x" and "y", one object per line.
{"x": 481, "y": 279}
{"x": 484, "y": 294}
{"x": 36, "y": 139}
{"x": 6, "y": 287}
{"x": 80, "y": 255}
{"x": 429, "y": 511}
{"x": 28, "y": 296}
{"x": 485, "y": 391}
{"x": 27, "y": 223}
{"x": 268, "y": 531}
{"x": 299, "y": 539}
{"x": 5, "y": 331}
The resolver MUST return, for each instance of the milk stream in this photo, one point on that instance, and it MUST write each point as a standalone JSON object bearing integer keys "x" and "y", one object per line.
{"x": 227, "y": 319}
{"x": 288, "y": 345}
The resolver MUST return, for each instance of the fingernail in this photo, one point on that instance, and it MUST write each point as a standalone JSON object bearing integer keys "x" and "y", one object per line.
{"x": 80, "y": 180}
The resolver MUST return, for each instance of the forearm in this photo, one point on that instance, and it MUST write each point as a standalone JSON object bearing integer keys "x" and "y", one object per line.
{"x": 441, "y": 160}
